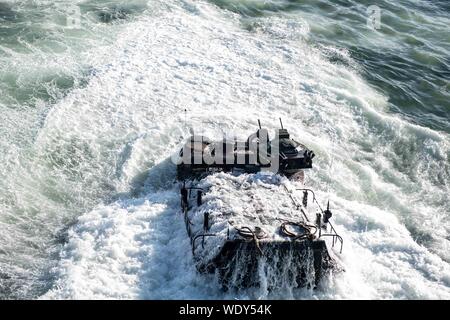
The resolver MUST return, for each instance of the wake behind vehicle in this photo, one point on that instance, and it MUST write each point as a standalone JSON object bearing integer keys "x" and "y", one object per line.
{"x": 246, "y": 220}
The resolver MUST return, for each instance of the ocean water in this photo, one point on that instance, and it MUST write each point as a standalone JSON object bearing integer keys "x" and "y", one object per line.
{"x": 92, "y": 100}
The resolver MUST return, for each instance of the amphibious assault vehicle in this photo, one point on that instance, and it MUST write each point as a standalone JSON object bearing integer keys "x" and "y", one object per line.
{"x": 248, "y": 222}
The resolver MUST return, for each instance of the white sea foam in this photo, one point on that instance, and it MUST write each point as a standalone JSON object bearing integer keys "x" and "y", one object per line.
{"x": 130, "y": 118}
{"x": 139, "y": 248}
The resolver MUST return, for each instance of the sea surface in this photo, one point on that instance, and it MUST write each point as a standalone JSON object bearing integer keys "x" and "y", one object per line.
{"x": 92, "y": 105}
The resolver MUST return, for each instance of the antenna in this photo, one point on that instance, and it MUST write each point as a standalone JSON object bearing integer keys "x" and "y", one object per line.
{"x": 185, "y": 112}
{"x": 327, "y": 214}
{"x": 259, "y": 123}
{"x": 281, "y": 122}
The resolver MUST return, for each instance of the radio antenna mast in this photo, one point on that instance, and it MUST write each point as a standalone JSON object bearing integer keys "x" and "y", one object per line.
{"x": 259, "y": 123}
{"x": 281, "y": 122}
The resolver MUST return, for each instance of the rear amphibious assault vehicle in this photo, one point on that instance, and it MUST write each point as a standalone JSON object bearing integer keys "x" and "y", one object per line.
{"x": 247, "y": 220}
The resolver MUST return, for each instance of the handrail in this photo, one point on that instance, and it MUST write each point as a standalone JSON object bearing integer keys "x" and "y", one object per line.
{"x": 295, "y": 203}
{"x": 333, "y": 233}
{"x": 335, "y": 236}
{"x": 314, "y": 197}
{"x": 203, "y": 235}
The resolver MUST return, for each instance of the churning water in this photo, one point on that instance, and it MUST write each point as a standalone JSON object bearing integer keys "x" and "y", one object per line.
{"x": 92, "y": 100}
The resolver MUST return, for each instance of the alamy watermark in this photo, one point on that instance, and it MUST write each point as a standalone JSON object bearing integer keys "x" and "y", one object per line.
{"x": 256, "y": 150}
{"x": 72, "y": 15}
{"x": 374, "y": 17}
